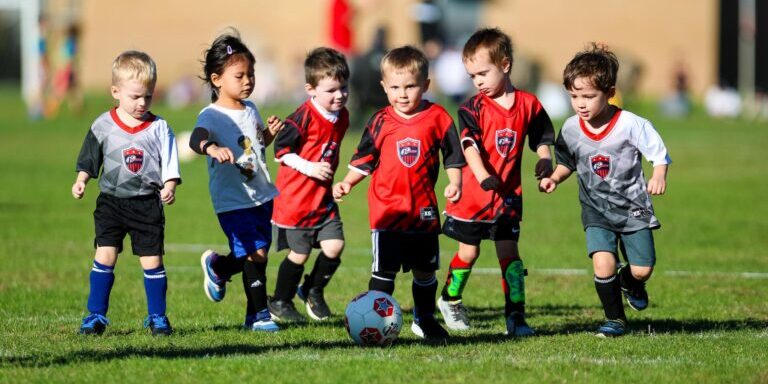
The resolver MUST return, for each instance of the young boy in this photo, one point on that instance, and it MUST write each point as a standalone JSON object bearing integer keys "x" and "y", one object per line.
{"x": 306, "y": 216}
{"x": 399, "y": 148}
{"x": 493, "y": 127}
{"x": 603, "y": 145}
{"x": 137, "y": 156}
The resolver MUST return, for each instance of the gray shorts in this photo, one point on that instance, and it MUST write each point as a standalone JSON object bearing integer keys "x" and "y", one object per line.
{"x": 302, "y": 240}
{"x": 637, "y": 247}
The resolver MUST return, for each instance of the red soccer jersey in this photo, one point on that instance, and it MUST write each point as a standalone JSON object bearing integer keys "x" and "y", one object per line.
{"x": 402, "y": 155}
{"x": 306, "y": 202}
{"x": 499, "y": 135}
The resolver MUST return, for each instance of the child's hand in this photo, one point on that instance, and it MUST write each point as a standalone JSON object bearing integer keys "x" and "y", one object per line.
{"x": 452, "y": 192}
{"x": 222, "y": 154}
{"x": 341, "y": 189}
{"x": 543, "y": 168}
{"x": 275, "y": 125}
{"x": 547, "y": 185}
{"x": 322, "y": 171}
{"x": 168, "y": 195}
{"x": 78, "y": 189}
{"x": 490, "y": 183}
{"x": 657, "y": 186}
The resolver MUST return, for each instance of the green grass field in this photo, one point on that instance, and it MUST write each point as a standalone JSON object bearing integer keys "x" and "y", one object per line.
{"x": 708, "y": 319}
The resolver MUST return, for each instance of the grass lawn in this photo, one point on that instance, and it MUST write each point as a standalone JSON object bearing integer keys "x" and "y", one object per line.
{"x": 707, "y": 322}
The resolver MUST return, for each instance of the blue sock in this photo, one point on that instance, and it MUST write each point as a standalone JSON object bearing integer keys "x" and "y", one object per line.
{"x": 102, "y": 280}
{"x": 155, "y": 285}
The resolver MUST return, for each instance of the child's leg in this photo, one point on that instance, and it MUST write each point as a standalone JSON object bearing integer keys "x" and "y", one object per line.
{"x": 289, "y": 276}
{"x": 386, "y": 261}
{"x": 325, "y": 267}
{"x": 255, "y": 281}
{"x": 226, "y": 266}
{"x": 607, "y": 285}
{"x": 424, "y": 289}
{"x": 383, "y": 281}
{"x": 638, "y": 249}
{"x": 512, "y": 276}
{"x": 459, "y": 271}
{"x": 155, "y": 284}
{"x": 102, "y": 279}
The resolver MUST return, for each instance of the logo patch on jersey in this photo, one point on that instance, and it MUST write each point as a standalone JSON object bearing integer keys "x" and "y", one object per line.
{"x": 428, "y": 213}
{"x": 601, "y": 164}
{"x": 505, "y": 141}
{"x": 133, "y": 159}
{"x": 329, "y": 151}
{"x": 408, "y": 150}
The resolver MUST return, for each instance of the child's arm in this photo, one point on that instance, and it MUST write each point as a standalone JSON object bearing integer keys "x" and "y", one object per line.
{"x": 168, "y": 193}
{"x": 200, "y": 144}
{"x": 544, "y": 165}
{"x": 560, "y": 174}
{"x": 475, "y": 162}
{"x": 274, "y": 125}
{"x": 453, "y": 189}
{"x": 657, "y": 184}
{"x": 343, "y": 187}
{"x": 318, "y": 170}
{"x": 78, "y": 188}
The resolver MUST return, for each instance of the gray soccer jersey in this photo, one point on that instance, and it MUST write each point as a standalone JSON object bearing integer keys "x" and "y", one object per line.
{"x": 612, "y": 187}
{"x": 136, "y": 161}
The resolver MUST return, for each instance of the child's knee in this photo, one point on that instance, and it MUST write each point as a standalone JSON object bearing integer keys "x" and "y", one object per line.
{"x": 259, "y": 256}
{"x": 604, "y": 264}
{"x": 423, "y": 275}
{"x": 332, "y": 248}
{"x": 641, "y": 273}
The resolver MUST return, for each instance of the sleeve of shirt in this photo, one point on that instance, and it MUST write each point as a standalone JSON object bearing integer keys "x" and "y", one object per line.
{"x": 469, "y": 129}
{"x": 288, "y": 140}
{"x": 453, "y": 156}
{"x": 563, "y": 154}
{"x": 541, "y": 131}
{"x": 205, "y": 120}
{"x": 90, "y": 158}
{"x": 366, "y": 157}
{"x": 651, "y": 146}
{"x": 169, "y": 155}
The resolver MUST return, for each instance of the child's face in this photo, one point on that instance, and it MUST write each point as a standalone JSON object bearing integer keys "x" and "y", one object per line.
{"x": 487, "y": 77}
{"x": 404, "y": 90}
{"x": 134, "y": 97}
{"x": 587, "y": 101}
{"x": 330, "y": 93}
{"x": 236, "y": 81}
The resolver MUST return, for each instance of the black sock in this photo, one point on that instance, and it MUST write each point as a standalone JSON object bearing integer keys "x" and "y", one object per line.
{"x": 424, "y": 293}
{"x": 609, "y": 292}
{"x": 382, "y": 281}
{"x": 288, "y": 278}
{"x": 227, "y": 266}
{"x": 627, "y": 280}
{"x": 255, "y": 284}
{"x": 321, "y": 273}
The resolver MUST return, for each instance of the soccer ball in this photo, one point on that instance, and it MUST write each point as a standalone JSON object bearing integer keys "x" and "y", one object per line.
{"x": 373, "y": 318}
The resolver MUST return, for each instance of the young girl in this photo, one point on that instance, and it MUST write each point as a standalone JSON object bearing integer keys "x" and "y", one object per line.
{"x": 232, "y": 134}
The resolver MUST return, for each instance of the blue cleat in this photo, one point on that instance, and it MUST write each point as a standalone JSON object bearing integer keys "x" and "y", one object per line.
{"x": 94, "y": 324}
{"x": 637, "y": 297}
{"x": 517, "y": 326}
{"x": 261, "y": 322}
{"x": 158, "y": 325}
{"x": 611, "y": 328}
{"x": 214, "y": 287}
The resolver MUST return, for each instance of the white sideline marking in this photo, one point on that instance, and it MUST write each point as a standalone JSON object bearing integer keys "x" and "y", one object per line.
{"x": 199, "y": 248}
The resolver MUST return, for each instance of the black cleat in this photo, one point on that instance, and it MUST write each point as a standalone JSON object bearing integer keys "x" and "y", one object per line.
{"x": 317, "y": 308}
{"x": 429, "y": 329}
{"x": 284, "y": 310}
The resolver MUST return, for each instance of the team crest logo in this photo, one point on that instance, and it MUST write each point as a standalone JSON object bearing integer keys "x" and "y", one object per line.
{"x": 505, "y": 141}
{"x": 329, "y": 151}
{"x": 133, "y": 159}
{"x": 601, "y": 164}
{"x": 408, "y": 150}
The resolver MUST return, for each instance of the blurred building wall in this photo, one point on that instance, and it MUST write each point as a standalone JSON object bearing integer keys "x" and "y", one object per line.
{"x": 655, "y": 33}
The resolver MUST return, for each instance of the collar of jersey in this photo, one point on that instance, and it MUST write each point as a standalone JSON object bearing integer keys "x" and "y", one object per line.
{"x": 125, "y": 127}
{"x": 605, "y": 132}
{"x": 391, "y": 111}
{"x": 497, "y": 106}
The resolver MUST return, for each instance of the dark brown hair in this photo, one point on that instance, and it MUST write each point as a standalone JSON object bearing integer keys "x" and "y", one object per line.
{"x": 325, "y": 62}
{"x": 498, "y": 44}
{"x": 595, "y": 63}
{"x": 407, "y": 58}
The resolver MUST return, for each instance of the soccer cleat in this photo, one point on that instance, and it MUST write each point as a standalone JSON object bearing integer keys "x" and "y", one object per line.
{"x": 611, "y": 328}
{"x": 637, "y": 297}
{"x": 159, "y": 325}
{"x": 429, "y": 329}
{"x": 314, "y": 300}
{"x": 284, "y": 310}
{"x": 261, "y": 322}
{"x": 94, "y": 324}
{"x": 517, "y": 326}
{"x": 214, "y": 287}
{"x": 454, "y": 314}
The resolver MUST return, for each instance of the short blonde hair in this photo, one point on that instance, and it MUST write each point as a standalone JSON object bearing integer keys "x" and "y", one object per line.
{"x": 406, "y": 58}
{"x": 134, "y": 65}
{"x": 498, "y": 44}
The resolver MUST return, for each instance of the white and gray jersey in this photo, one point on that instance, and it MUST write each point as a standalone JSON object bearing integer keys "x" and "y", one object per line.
{"x": 247, "y": 183}
{"x": 134, "y": 161}
{"x": 612, "y": 188}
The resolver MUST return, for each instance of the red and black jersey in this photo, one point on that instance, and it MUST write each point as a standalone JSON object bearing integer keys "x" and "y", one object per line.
{"x": 402, "y": 156}
{"x": 306, "y": 202}
{"x": 499, "y": 135}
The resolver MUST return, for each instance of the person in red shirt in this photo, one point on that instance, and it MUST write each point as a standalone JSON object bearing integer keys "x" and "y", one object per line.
{"x": 400, "y": 149}
{"x": 493, "y": 125}
{"x": 306, "y": 216}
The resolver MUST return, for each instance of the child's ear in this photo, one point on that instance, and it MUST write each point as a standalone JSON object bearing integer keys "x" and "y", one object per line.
{"x": 310, "y": 89}
{"x": 426, "y": 84}
{"x": 216, "y": 80}
{"x": 506, "y": 65}
{"x": 384, "y": 87}
{"x": 115, "y": 92}
{"x": 611, "y": 93}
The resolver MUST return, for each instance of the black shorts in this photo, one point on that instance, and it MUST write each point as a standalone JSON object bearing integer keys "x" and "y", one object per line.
{"x": 392, "y": 250}
{"x": 505, "y": 228}
{"x": 141, "y": 217}
{"x": 302, "y": 240}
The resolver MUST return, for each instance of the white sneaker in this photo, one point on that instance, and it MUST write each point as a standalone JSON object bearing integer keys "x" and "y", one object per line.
{"x": 454, "y": 313}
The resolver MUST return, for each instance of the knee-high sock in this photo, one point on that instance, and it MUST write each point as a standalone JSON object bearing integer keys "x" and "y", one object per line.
{"x": 458, "y": 275}
{"x": 424, "y": 292}
{"x": 155, "y": 287}
{"x": 288, "y": 278}
{"x": 321, "y": 273}
{"x": 227, "y": 266}
{"x": 101, "y": 279}
{"x": 609, "y": 291}
{"x": 255, "y": 284}
{"x": 382, "y": 281}
{"x": 513, "y": 284}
